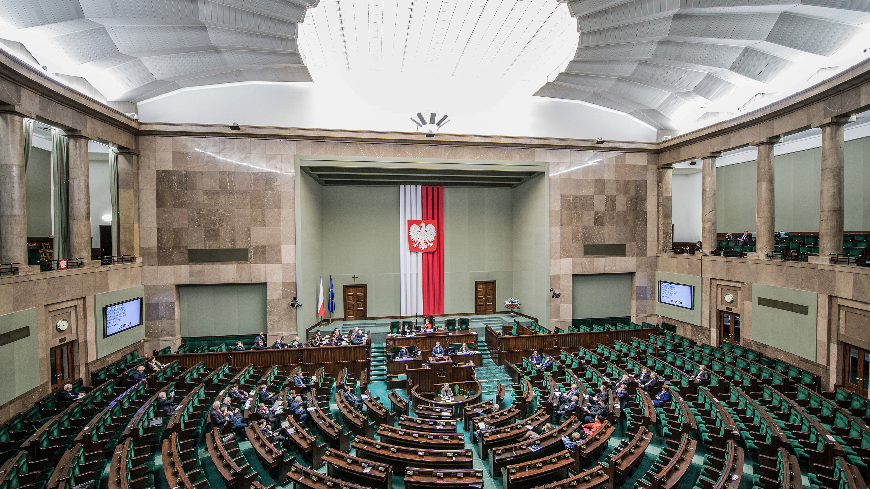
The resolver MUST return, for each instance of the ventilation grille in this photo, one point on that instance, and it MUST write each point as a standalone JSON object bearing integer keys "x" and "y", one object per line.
{"x": 785, "y": 306}
{"x": 217, "y": 255}
{"x": 604, "y": 249}
{"x": 14, "y": 335}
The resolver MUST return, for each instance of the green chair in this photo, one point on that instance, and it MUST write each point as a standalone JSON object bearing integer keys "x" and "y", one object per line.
{"x": 395, "y": 327}
{"x": 463, "y": 324}
{"x": 450, "y": 324}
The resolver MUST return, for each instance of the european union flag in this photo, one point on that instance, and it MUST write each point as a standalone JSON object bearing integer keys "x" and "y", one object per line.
{"x": 331, "y": 305}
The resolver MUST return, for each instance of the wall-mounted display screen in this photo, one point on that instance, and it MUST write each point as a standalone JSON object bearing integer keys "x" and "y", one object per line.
{"x": 679, "y": 295}
{"x": 122, "y": 316}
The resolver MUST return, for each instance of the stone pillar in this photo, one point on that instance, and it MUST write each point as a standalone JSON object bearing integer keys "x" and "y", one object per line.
{"x": 128, "y": 201}
{"x": 708, "y": 203}
{"x": 79, "y": 197}
{"x": 665, "y": 208}
{"x": 765, "y": 207}
{"x": 13, "y": 204}
{"x": 832, "y": 185}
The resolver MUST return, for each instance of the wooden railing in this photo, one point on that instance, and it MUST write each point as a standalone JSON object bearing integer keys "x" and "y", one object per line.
{"x": 514, "y": 348}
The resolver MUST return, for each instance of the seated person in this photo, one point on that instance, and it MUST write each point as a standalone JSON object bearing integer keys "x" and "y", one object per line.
{"x": 530, "y": 433}
{"x": 261, "y": 338}
{"x": 272, "y": 437}
{"x": 403, "y": 353}
{"x": 263, "y": 413}
{"x": 625, "y": 380}
{"x": 240, "y": 346}
{"x": 317, "y": 340}
{"x": 427, "y": 326}
{"x": 535, "y": 358}
{"x": 437, "y": 350}
{"x": 228, "y": 404}
{"x": 139, "y": 374}
{"x": 600, "y": 409}
{"x": 216, "y": 416}
{"x": 164, "y": 403}
{"x": 644, "y": 376}
{"x": 593, "y": 426}
{"x": 296, "y": 343}
{"x": 482, "y": 428}
{"x": 623, "y": 396}
{"x": 237, "y": 394}
{"x": 603, "y": 393}
{"x": 258, "y": 346}
{"x": 66, "y": 395}
{"x": 234, "y": 422}
{"x": 265, "y": 396}
{"x": 153, "y": 365}
{"x": 297, "y": 409}
{"x": 356, "y": 402}
{"x": 567, "y": 395}
{"x": 652, "y": 384}
{"x": 464, "y": 348}
{"x": 566, "y": 410}
{"x": 744, "y": 238}
{"x": 702, "y": 375}
{"x": 336, "y": 339}
{"x": 407, "y": 330}
{"x": 572, "y": 441}
{"x": 663, "y": 397}
{"x": 298, "y": 381}
{"x": 546, "y": 363}
{"x": 446, "y": 393}
{"x": 357, "y": 337}
{"x": 279, "y": 344}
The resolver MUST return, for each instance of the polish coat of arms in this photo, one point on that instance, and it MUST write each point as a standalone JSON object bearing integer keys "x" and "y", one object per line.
{"x": 421, "y": 235}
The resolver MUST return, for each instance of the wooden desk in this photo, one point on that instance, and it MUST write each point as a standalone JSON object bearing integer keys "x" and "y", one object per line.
{"x": 426, "y": 341}
{"x": 416, "y": 478}
{"x": 403, "y": 457}
{"x": 548, "y": 443}
{"x": 509, "y": 434}
{"x": 275, "y": 459}
{"x": 433, "y": 425}
{"x": 397, "y": 366}
{"x": 421, "y": 439}
{"x": 305, "y": 443}
{"x": 311, "y": 479}
{"x": 358, "y": 469}
{"x": 432, "y": 375}
{"x": 531, "y": 473}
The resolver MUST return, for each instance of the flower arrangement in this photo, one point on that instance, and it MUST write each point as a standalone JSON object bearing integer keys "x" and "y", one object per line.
{"x": 511, "y": 303}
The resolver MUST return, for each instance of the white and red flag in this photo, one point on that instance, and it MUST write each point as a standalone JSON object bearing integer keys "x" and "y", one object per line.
{"x": 321, "y": 308}
{"x": 421, "y": 220}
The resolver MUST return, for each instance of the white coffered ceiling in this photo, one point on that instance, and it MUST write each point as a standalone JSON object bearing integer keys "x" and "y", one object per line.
{"x": 677, "y": 63}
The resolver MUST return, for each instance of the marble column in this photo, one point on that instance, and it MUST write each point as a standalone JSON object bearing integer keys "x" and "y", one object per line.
{"x": 13, "y": 205}
{"x": 765, "y": 207}
{"x": 708, "y": 203}
{"x": 832, "y": 186}
{"x": 79, "y": 197}
{"x": 665, "y": 207}
{"x": 128, "y": 201}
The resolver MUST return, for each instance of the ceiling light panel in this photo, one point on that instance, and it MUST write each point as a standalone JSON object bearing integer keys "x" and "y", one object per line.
{"x": 701, "y": 52}
{"x": 448, "y": 37}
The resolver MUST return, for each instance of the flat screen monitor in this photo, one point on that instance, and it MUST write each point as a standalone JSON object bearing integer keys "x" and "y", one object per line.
{"x": 122, "y": 316}
{"x": 679, "y": 295}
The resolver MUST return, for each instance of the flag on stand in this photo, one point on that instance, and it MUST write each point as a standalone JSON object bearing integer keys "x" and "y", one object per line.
{"x": 331, "y": 305}
{"x": 321, "y": 311}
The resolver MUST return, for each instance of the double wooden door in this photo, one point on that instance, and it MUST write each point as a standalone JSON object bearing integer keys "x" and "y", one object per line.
{"x": 856, "y": 369}
{"x": 62, "y": 365}
{"x": 729, "y": 325}
{"x": 484, "y": 297}
{"x": 355, "y": 302}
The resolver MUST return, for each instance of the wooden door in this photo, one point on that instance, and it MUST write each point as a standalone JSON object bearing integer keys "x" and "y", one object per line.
{"x": 484, "y": 297}
{"x": 62, "y": 365}
{"x": 856, "y": 367}
{"x": 729, "y": 325}
{"x": 355, "y": 302}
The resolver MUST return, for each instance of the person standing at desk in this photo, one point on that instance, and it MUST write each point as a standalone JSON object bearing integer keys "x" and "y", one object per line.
{"x": 438, "y": 350}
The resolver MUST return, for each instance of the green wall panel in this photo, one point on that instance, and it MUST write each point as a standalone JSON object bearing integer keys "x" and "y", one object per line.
{"x": 735, "y": 197}
{"x": 531, "y": 234}
{"x": 309, "y": 247}
{"x": 38, "y": 188}
{"x": 784, "y": 329}
{"x": 601, "y": 295}
{"x": 691, "y": 316}
{"x": 106, "y": 346}
{"x": 361, "y": 237}
{"x": 223, "y": 309}
{"x": 19, "y": 360}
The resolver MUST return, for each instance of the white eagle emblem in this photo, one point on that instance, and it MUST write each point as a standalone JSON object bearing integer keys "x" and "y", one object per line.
{"x": 422, "y": 236}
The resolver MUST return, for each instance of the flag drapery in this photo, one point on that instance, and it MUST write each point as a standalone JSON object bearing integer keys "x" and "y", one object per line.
{"x": 422, "y": 250}
{"x": 331, "y": 305}
{"x": 321, "y": 310}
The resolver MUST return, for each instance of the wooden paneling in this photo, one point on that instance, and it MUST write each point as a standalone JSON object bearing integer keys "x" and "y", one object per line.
{"x": 513, "y": 348}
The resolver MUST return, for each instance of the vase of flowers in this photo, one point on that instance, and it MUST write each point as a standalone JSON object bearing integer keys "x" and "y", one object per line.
{"x": 512, "y": 305}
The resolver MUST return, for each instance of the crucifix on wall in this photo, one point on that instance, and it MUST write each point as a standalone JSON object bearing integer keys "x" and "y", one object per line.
{"x": 354, "y": 278}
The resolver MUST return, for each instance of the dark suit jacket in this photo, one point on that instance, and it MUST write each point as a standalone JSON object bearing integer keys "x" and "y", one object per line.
{"x": 165, "y": 405}
{"x": 217, "y": 418}
{"x": 623, "y": 397}
{"x": 64, "y": 396}
{"x": 702, "y": 375}
{"x": 137, "y": 376}
{"x": 265, "y": 397}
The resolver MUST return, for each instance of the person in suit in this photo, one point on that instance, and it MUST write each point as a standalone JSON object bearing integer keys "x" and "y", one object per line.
{"x": 652, "y": 384}
{"x": 240, "y": 346}
{"x": 318, "y": 339}
{"x": 357, "y": 337}
{"x": 623, "y": 396}
{"x": 258, "y": 346}
{"x": 216, "y": 417}
{"x": 336, "y": 339}
{"x": 153, "y": 365}
{"x": 744, "y": 238}
{"x": 353, "y": 400}
{"x": 279, "y": 344}
{"x": 261, "y": 338}
{"x": 702, "y": 375}
{"x": 663, "y": 397}
{"x": 644, "y": 376}
{"x": 403, "y": 353}
{"x": 297, "y": 409}
{"x": 566, "y": 410}
{"x": 166, "y": 403}
{"x": 572, "y": 441}
{"x": 600, "y": 409}
{"x": 482, "y": 428}
{"x": 625, "y": 380}
{"x": 66, "y": 395}
{"x": 603, "y": 393}
{"x": 546, "y": 363}
{"x": 567, "y": 395}
{"x": 437, "y": 350}
{"x": 266, "y": 430}
{"x": 139, "y": 374}
{"x": 407, "y": 330}
{"x": 235, "y": 423}
{"x": 299, "y": 382}
{"x": 263, "y": 413}
{"x": 237, "y": 394}
{"x": 264, "y": 396}
{"x": 535, "y": 358}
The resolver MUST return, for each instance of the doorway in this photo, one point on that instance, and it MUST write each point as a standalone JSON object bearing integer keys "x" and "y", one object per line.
{"x": 62, "y": 365}
{"x": 484, "y": 297}
{"x": 729, "y": 325}
{"x": 355, "y": 302}
{"x": 855, "y": 369}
